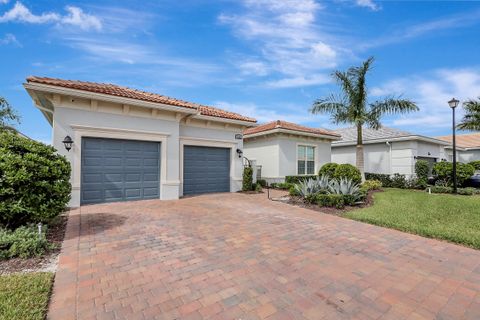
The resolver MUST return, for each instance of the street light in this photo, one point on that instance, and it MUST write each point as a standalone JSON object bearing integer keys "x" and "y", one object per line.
{"x": 453, "y": 104}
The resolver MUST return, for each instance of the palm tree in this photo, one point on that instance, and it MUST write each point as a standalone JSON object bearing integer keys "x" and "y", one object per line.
{"x": 7, "y": 114}
{"x": 351, "y": 106}
{"x": 471, "y": 120}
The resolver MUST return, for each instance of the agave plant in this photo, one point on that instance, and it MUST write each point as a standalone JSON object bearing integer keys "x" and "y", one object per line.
{"x": 324, "y": 182}
{"x": 344, "y": 186}
{"x": 307, "y": 187}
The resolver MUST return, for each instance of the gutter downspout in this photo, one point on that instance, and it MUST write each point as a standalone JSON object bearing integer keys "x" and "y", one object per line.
{"x": 390, "y": 157}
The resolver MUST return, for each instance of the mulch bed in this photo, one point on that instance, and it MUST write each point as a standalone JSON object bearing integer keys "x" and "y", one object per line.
{"x": 299, "y": 202}
{"x": 55, "y": 234}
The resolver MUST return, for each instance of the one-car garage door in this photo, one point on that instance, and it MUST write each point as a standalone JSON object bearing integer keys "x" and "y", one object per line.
{"x": 206, "y": 170}
{"x": 119, "y": 170}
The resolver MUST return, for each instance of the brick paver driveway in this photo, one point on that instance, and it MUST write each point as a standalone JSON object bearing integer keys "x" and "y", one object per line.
{"x": 236, "y": 256}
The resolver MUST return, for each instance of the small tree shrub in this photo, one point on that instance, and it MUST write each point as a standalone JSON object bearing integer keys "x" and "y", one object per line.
{"x": 372, "y": 185}
{"x": 328, "y": 169}
{"x": 34, "y": 181}
{"x": 466, "y": 191}
{"x": 330, "y": 200}
{"x": 385, "y": 179}
{"x": 347, "y": 171}
{"x": 421, "y": 170}
{"x": 23, "y": 242}
{"x": 399, "y": 181}
{"x": 444, "y": 171}
{"x": 262, "y": 182}
{"x": 247, "y": 182}
{"x": 475, "y": 164}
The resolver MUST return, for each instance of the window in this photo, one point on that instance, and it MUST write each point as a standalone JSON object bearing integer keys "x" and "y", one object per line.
{"x": 305, "y": 160}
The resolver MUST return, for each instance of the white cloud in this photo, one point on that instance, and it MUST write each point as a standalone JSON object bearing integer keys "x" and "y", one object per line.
{"x": 10, "y": 39}
{"x": 250, "y": 67}
{"x": 368, "y": 4}
{"x": 431, "y": 92}
{"x": 74, "y": 17}
{"x": 287, "y": 39}
{"x": 299, "y": 81}
{"x": 4, "y": 1}
{"x": 296, "y": 114}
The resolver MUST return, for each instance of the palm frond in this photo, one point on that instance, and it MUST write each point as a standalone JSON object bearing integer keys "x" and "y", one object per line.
{"x": 331, "y": 104}
{"x": 471, "y": 120}
{"x": 392, "y": 106}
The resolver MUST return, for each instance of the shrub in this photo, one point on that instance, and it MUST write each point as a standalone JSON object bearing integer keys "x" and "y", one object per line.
{"x": 415, "y": 183}
{"x": 247, "y": 182}
{"x": 348, "y": 188}
{"x": 258, "y": 187}
{"x": 347, "y": 171}
{"x": 297, "y": 179}
{"x": 307, "y": 188}
{"x": 282, "y": 185}
{"x": 34, "y": 181}
{"x": 330, "y": 200}
{"x": 372, "y": 185}
{"x": 23, "y": 242}
{"x": 399, "y": 181}
{"x": 466, "y": 191}
{"x": 328, "y": 169}
{"x": 475, "y": 164}
{"x": 385, "y": 179}
{"x": 444, "y": 171}
{"x": 293, "y": 191}
{"x": 262, "y": 182}
{"x": 441, "y": 189}
{"x": 421, "y": 170}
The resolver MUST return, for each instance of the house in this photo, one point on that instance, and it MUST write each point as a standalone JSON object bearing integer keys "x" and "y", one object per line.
{"x": 468, "y": 147}
{"x": 131, "y": 145}
{"x": 388, "y": 150}
{"x": 283, "y": 148}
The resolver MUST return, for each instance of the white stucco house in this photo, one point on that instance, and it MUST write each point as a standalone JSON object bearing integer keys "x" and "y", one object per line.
{"x": 388, "y": 150}
{"x": 467, "y": 145}
{"x": 283, "y": 148}
{"x": 131, "y": 145}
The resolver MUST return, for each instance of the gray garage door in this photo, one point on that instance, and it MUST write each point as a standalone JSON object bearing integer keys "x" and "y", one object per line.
{"x": 119, "y": 170}
{"x": 206, "y": 170}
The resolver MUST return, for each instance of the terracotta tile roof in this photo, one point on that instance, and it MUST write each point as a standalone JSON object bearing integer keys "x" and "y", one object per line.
{"x": 125, "y": 92}
{"x": 471, "y": 140}
{"x": 279, "y": 124}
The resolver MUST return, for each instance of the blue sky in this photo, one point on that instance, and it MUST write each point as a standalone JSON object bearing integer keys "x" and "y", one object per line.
{"x": 269, "y": 59}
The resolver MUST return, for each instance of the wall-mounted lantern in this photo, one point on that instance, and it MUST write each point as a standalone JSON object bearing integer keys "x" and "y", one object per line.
{"x": 67, "y": 142}
{"x": 239, "y": 136}
{"x": 240, "y": 152}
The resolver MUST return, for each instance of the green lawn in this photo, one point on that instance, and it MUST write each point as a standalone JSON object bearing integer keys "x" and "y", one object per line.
{"x": 441, "y": 216}
{"x": 25, "y": 296}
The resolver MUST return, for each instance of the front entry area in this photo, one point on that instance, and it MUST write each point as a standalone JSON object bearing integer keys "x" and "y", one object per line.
{"x": 119, "y": 170}
{"x": 206, "y": 170}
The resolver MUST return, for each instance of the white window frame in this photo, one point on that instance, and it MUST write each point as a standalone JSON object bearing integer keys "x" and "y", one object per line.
{"x": 314, "y": 147}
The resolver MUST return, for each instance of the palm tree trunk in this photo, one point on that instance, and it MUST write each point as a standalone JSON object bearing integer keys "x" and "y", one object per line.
{"x": 360, "y": 161}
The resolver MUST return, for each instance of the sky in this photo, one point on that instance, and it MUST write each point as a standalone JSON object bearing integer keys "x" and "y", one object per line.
{"x": 269, "y": 59}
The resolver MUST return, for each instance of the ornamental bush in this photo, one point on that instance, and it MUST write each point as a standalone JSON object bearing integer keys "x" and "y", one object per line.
{"x": 421, "y": 170}
{"x": 347, "y": 171}
{"x": 23, "y": 242}
{"x": 330, "y": 200}
{"x": 34, "y": 181}
{"x": 247, "y": 182}
{"x": 444, "y": 171}
{"x": 328, "y": 169}
{"x": 372, "y": 185}
{"x": 399, "y": 181}
{"x": 475, "y": 164}
{"x": 385, "y": 179}
{"x": 297, "y": 179}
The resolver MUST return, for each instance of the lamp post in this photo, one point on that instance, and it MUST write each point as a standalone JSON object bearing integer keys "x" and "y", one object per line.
{"x": 453, "y": 104}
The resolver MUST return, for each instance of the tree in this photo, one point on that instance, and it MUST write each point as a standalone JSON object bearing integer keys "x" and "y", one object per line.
{"x": 471, "y": 120}
{"x": 350, "y": 106}
{"x": 8, "y": 115}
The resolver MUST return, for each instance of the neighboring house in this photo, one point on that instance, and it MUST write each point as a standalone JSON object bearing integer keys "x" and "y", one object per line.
{"x": 388, "y": 150}
{"x": 282, "y": 149}
{"x": 468, "y": 147}
{"x": 130, "y": 145}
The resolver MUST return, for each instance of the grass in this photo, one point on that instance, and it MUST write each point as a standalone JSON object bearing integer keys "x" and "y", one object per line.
{"x": 25, "y": 296}
{"x": 440, "y": 216}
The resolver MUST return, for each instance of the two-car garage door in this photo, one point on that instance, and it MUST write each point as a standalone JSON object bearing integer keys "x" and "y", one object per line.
{"x": 122, "y": 170}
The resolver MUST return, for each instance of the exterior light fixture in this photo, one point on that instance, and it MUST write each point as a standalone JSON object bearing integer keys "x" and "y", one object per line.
{"x": 453, "y": 104}
{"x": 67, "y": 142}
{"x": 240, "y": 152}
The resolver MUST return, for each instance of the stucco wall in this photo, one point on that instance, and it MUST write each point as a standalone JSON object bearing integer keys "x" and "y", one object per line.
{"x": 463, "y": 156}
{"x": 377, "y": 157}
{"x": 76, "y": 118}
{"x": 277, "y": 154}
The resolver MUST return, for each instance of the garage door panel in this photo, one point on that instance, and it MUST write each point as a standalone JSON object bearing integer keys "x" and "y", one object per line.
{"x": 114, "y": 170}
{"x": 206, "y": 170}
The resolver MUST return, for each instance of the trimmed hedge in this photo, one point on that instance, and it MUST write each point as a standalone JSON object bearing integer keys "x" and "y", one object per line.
{"x": 475, "y": 164}
{"x": 34, "y": 181}
{"x": 421, "y": 170}
{"x": 247, "y": 181}
{"x": 371, "y": 185}
{"x": 348, "y": 171}
{"x": 328, "y": 169}
{"x": 330, "y": 200}
{"x": 385, "y": 179}
{"x": 262, "y": 182}
{"x": 297, "y": 179}
{"x": 444, "y": 171}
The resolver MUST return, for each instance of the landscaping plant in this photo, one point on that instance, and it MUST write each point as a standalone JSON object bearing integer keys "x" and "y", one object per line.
{"x": 328, "y": 169}
{"x": 348, "y": 171}
{"x": 385, "y": 179}
{"x": 399, "y": 181}
{"x": 475, "y": 164}
{"x": 23, "y": 242}
{"x": 421, "y": 171}
{"x": 34, "y": 181}
{"x": 247, "y": 181}
{"x": 372, "y": 185}
{"x": 444, "y": 171}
